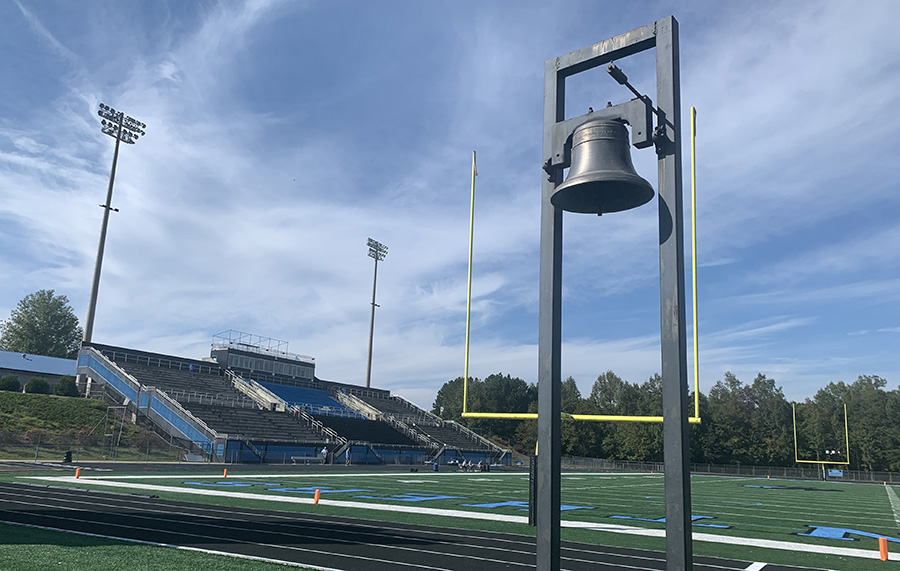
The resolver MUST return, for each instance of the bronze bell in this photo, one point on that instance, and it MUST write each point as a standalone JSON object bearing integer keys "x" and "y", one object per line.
{"x": 601, "y": 177}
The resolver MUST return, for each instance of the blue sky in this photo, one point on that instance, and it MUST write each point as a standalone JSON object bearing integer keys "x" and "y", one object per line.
{"x": 281, "y": 135}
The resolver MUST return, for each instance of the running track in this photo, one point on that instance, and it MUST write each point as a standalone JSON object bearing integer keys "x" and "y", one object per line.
{"x": 324, "y": 542}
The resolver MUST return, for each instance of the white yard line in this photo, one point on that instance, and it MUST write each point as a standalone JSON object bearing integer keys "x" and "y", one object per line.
{"x": 612, "y": 528}
{"x": 423, "y": 474}
{"x": 895, "y": 504}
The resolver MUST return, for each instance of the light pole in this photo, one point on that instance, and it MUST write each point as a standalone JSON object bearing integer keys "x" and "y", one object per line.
{"x": 377, "y": 251}
{"x": 123, "y": 129}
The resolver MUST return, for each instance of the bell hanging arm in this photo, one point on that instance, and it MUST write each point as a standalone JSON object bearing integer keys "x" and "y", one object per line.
{"x": 638, "y": 113}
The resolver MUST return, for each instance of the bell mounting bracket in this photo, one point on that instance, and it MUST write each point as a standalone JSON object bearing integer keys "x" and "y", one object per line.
{"x": 638, "y": 113}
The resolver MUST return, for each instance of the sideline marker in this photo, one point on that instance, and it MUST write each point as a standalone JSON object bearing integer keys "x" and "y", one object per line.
{"x": 318, "y": 492}
{"x": 77, "y": 473}
{"x": 225, "y": 473}
{"x": 882, "y": 548}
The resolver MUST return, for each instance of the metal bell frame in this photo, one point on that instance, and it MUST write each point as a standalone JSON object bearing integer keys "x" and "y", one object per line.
{"x": 666, "y": 137}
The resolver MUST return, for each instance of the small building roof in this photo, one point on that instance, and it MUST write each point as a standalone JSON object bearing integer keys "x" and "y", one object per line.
{"x": 37, "y": 364}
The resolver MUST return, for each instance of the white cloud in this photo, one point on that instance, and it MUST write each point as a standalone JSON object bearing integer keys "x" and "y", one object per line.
{"x": 271, "y": 156}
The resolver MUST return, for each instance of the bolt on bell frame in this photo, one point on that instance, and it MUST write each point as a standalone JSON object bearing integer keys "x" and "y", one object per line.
{"x": 557, "y": 144}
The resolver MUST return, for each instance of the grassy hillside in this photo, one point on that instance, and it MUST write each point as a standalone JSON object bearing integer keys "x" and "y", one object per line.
{"x": 21, "y": 412}
{"x": 43, "y": 427}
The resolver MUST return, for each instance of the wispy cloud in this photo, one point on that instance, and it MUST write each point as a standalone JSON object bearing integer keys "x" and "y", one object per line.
{"x": 42, "y": 32}
{"x": 281, "y": 135}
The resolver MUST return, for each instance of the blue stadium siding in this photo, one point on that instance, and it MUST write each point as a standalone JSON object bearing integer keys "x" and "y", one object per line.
{"x": 159, "y": 407}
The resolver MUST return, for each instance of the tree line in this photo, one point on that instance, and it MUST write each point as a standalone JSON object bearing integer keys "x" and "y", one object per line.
{"x": 751, "y": 424}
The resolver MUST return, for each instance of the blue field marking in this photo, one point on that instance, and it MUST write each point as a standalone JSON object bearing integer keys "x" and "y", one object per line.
{"x": 694, "y": 518}
{"x": 275, "y": 487}
{"x": 841, "y": 533}
{"x": 523, "y": 506}
{"x": 792, "y": 488}
{"x": 413, "y": 497}
{"x": 312, "y": 490}
{"x": 228, "y": 484}
{"x": 497, "y": 505}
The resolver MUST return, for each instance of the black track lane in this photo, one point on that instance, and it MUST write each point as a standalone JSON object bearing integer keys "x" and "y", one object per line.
{"x": 310, "y": 539}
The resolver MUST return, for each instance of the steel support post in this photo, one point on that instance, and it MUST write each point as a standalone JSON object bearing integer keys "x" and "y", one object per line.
{"x": 550, "y": 340}
{"x": 676, "y": 449}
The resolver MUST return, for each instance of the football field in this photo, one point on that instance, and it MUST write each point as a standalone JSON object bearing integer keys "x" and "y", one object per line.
{"x": 834, "y": 525}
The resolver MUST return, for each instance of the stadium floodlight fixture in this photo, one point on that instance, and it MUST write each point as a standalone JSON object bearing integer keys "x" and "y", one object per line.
{"x": 377, "y": 251}
{"x": 124, "y": 129}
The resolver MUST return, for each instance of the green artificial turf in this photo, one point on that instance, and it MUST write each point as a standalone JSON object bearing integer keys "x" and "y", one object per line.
{"x": 747, "y": 508}
{"x": 32, "y": 549}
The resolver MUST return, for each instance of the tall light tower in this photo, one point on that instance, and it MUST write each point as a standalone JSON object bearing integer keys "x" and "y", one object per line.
{"x": 377, "y": 251}
{"x": 123, "y": 129}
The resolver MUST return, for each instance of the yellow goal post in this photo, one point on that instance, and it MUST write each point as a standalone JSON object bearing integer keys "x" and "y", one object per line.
{"x": 695, "y": 419}
{"x": 823, "y": 462}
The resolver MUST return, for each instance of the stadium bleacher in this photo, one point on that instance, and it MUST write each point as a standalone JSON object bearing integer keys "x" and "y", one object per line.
{"x": 315, "y": 417}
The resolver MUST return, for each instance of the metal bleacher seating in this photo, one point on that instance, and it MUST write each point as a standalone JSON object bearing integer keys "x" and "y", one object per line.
{"x": 254, "y": 424}
{"x": 417, "y": 419}
{"x": 312, "y": 401}
{"x": 451, "y": 436}
{"x": 188, "y": 386}
{"x": 363, "y": 430}
{"x": 393, "y": 406}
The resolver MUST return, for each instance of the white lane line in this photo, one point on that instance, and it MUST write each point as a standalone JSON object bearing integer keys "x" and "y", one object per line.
{"x": 613, "y": 528}
{"x": 755, "y": 567}
{"x": 895, "y": 504}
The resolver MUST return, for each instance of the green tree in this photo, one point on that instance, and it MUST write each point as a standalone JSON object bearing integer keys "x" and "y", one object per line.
{"x": 771, "y": 424}
{"x": 729, "y": 434}
{"x": 579, "y": 438}
{"x": 42, "y": 324}
{"x": 10, "y": 383}
{"x": 448, "y": 403}
{"x": 611, "y": 395}
{"x": 504, "y": 393}
{"x": 66, "y": 387}
{"x": 874, "y": 431}
{"x": 643, "y": 441}
{"x": 37, "y": 386}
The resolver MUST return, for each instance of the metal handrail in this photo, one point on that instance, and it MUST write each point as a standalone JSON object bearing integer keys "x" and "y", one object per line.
{"x": 240, "y": 383}
{"x": 183, "y": 412}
